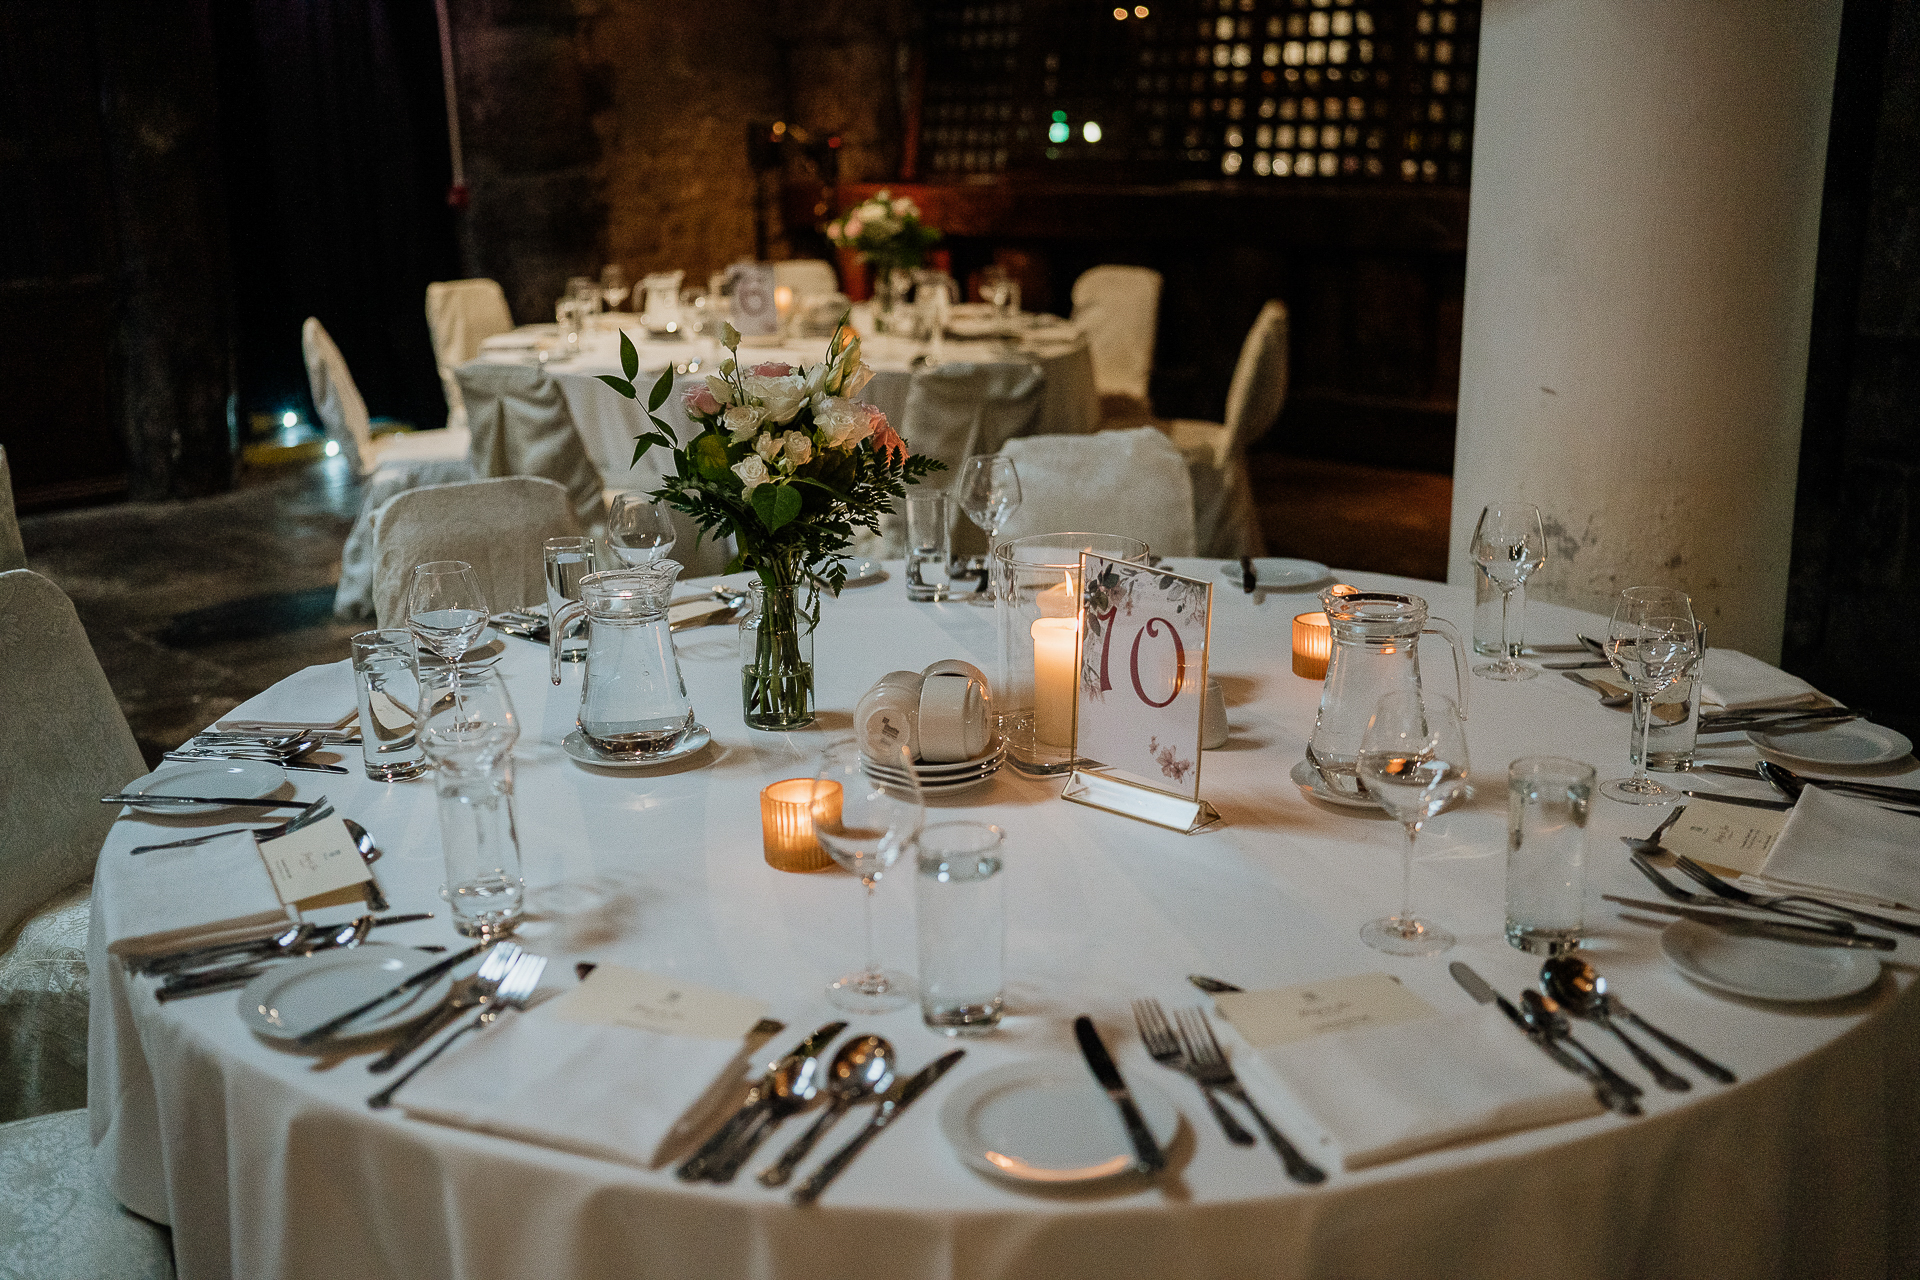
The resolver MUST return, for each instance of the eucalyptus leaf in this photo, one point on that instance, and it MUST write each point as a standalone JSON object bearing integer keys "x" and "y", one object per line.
{"x": 629, "y": 358}
{"x": 621, "y": 385}
{"x": 661, "y": 389}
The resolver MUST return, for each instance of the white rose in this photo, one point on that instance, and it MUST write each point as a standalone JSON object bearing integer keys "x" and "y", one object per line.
{"x": 799, "y": 446}
{"x": 858, "y": 379}
{"x": 903, "y": 208}
{"x": 743, "y": 420}
{"x": 768, "y": 446}
{"x": 752, "y": 472}
{"x": 780, "y": 397}
{"x": 845, "y": 423}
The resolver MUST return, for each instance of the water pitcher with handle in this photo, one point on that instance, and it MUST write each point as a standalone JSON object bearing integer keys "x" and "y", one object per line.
{"x": 633, "y": 701}
{"x": 1376, "y": 651}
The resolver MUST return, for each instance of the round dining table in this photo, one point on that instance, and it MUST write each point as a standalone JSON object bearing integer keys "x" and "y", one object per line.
{"x": 270, "y": 1163}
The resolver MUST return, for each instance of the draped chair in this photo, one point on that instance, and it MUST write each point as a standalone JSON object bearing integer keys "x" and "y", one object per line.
{"x": 497, "y": 526}
{"x": 1118, "y": 308}
{"x": 461, "y": 314}
{"x": 1226, "y": 515}
{"x": 57, "y": 1217}
{"x": 63, "y": 745}
{"x": 807, "y": 277}
{"x": 1133, "y": 483}
{"x": 957, "y": 410}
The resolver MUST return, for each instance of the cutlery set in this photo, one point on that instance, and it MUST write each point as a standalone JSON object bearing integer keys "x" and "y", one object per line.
{"x": 229, "y": 966}
{"x": 286, "y": 750}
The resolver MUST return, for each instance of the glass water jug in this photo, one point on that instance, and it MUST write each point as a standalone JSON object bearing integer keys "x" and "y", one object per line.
{"x": 1375, "y": 651}
{"x": 633, "y": 701}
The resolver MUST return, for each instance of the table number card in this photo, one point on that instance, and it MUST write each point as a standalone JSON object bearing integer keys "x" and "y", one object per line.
{"x": 1311, "y": 1009}
{"x": 315, "y": 860}
{"x": 750, "y": 291}
{"x": 1730, "y": 837}
{"x": 615, "y": 996}
{"x": 1141, "y": 693}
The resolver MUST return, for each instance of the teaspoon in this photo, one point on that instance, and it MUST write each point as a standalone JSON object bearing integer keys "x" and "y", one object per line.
{"x": 1544, "y": 1015}
{"x": 1572, "y": 981}
{"x": 862, "y": 1068}
{"x": 794, "y": 1083}
{"x": 1581, "y": 982}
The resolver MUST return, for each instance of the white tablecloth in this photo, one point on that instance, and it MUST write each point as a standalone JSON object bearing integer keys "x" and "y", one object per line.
{"x": 269, "y": 1164}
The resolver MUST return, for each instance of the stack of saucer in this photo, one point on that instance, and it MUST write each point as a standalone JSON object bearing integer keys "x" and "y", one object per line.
{"x": 944, "y": 779}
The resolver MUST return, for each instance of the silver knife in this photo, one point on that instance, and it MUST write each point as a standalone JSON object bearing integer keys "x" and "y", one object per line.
{"x": 1212, "y": 986}
{"x": 1476, "y": 986}
{"x": 419, "y": 979}
{"x": 1151, "y": 1158}
{"x": 696, "y": 1165}
{"x": 892, "y": 1103}
{"x": 1808, "y": 934}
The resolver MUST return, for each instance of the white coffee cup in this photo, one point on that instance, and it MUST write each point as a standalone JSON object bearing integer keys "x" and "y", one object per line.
{"x": 953, "y": 720}
{"x": 888, "y": 716}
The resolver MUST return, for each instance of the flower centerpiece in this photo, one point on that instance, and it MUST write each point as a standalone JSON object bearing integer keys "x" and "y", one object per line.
{"x": 786, "y": 460}
{"x": 887, "y": 234}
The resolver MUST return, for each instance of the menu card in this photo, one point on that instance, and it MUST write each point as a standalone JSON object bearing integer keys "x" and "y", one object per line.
{"x": 317, "y": 859}
{"x": 620, "y": 997}
{"x": 1287, "y": 1014}
{"x": 1729, "y": 837}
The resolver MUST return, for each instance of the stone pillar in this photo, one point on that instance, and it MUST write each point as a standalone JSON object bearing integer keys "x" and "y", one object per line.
{"x": 1640, "y": 264}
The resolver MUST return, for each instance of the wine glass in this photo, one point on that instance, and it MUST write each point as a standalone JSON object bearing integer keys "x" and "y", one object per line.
{"x": 639, "y": 531}
{"x": 446, "y": 610}
{"x": 989, "y": 492}
{"x": 1653, "y": 639}
{"x": 864, "y": 822}
{"x": 613, "y": 285}
{"x": 1508, "y": 545}
{"x": 1413, "y": 761}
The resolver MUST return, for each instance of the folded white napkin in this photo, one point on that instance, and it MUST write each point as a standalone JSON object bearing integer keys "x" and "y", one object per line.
{"x": 1737, "y": 681}
{"x": 1841, "y": 842}
{"x": 171, "y": 899}
{"x": 319, "y": 697}
{"x": 1388, "y": 1092}
{"x": 607, "y": 1091}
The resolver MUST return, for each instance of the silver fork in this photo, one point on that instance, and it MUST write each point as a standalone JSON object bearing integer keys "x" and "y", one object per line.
{"x": 515, "y": 990}
{"x": 1157, "y": 1034}
{"x": 321, "y": 809}
{"x": 1211, "y": 1068}
{"x": 469, "y": 994}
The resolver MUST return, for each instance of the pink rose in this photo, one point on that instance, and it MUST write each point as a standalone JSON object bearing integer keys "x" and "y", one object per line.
{"x": 700, "y": 400}
{"x": 885, "y": 439}
{"x": 772, "y": 369}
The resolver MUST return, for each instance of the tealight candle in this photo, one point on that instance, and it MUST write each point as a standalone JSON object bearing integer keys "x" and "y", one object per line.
{"x": 1312, "y": 645}
{"x": 787, "y": 813}
{"x": 1055, "y": 668}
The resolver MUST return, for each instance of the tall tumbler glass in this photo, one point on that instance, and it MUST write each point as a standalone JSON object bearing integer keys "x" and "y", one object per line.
{"x": 929, "y": 545}
{"x": 1548, "y": 800}
{"x": 1672, "y": 720}
{"x": 961, "y": 904}
{"x": 568, "y": 560}
{"x": 386, "y": 680}
{"x": 468, "y": 728}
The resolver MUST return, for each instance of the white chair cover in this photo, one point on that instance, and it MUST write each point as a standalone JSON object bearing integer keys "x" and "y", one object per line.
{"x": 1119, "y": 309}
{"x": 497, "y": 526}
{"x": 353, "y": 596}
{"x": 955, "y": 411}
{"x": 807, "y": 277}
{"x": 461, "y": 314}
{"x": 1227, "y": 516}
{"x": 520, "y": 427}
{"x": 13, "y": 553}
{"x": 1133, "y": 483}
{"x": 58, "y": 1219}
{"x": 63, "y": 745}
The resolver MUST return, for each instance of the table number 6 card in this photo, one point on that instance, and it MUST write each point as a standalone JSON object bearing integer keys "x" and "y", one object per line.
{"x": 1141, "y": 693}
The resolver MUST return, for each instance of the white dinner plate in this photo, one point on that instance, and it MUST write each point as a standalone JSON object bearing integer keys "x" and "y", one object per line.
{"x": 576, "y": 745}
{"x": 1766, "y": 968}
{"x": 1280, "y": 574}
{"x": 287, "y": 1002}
{"x": 1850, "y": 742}
{"x": 207, "y": 778}
{"x": 1048, "y": 1121}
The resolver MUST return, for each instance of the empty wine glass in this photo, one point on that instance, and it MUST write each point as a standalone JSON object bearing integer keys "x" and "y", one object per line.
{"x": 639, "y": 530}
{"x": 613, "y": 285}
{"x": 1508, "y": 546}
{"x": 988, "y": 488}
{"x": 446, "y": 610}
{"x": 1413, "y": 761}
{"x": 1652, "y": 640}
{"x": 865, "y": 823}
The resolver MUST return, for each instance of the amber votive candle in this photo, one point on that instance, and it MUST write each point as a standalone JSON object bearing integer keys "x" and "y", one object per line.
{"x": 1312, "y": 645}
{"x": 787, "y": 812}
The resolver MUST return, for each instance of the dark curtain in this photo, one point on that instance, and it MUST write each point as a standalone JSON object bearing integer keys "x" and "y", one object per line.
{"x": 335, "y": 145}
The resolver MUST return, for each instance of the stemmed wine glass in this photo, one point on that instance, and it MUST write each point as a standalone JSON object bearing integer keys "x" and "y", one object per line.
{"x": 865, "y": 823}
{"x": 613, "y": 285}
{"x": 1413, "y": 761}
{"x": 1508, "y": 545}
{"x": 639, "y": 531}
{"x": 1652, "y": 640}
{"x": 446, "y": 610}
{"x": 989, "y": 491}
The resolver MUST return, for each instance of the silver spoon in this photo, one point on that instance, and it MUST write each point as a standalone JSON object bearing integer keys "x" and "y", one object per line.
{"x": 794, "y": 1083}
{"x": 369, "y": 854}
{"x": 1572, "y": 981}
{"x": 1544, "y": 1016}
{"x": 862, "y": 1068}
{"x": 1576, "y": 974}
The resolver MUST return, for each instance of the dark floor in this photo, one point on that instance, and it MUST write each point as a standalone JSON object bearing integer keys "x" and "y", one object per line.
{"x": 193, "y": 607}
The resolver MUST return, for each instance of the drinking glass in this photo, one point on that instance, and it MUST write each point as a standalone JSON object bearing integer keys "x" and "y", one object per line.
{"x": 386, "y": 678}
{"x": 1413, "y": 761}
{"x": 467, "y": 727}
{"x": 961, "y": 919}
{"x": 639, "y": 531}
{"x": 1652, "y": 640}
{"x": 989, "y": 491}
{"x": 929, "y": 546}
{"x": 572, "y": 324}
{"x": 1508, "y": 545}
{"x": 1002, "y": 291}
{"x": 874, "y": 822}
{"x": 613, "y": 285}
{"x": 446, "y": 610}
{"x": 567, "y": 561}
{"x": 1548, "y": 801}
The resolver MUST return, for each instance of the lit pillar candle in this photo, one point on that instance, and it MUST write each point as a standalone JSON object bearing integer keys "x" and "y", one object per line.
{"x": 1055, "y": 668}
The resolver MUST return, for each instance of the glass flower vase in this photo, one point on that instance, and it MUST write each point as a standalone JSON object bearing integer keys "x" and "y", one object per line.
{"x": 776, "y": 659}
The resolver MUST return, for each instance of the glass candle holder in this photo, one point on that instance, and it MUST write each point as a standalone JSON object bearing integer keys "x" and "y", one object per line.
{"x": 1312, "y": 645}
{"x": 1037, "y": 606}
{"x": 787, "y": 812}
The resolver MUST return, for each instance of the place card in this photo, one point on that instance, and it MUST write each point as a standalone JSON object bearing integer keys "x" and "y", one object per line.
{"x": 314, "y": 860}
{"x": 620, "y": 997}
{"x": 1727, "y": 837}
{"x": 1288, "y": 1014}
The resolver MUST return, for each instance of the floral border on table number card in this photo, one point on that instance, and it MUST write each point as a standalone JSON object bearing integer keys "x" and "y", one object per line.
{"x": 1141, "y": 692}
